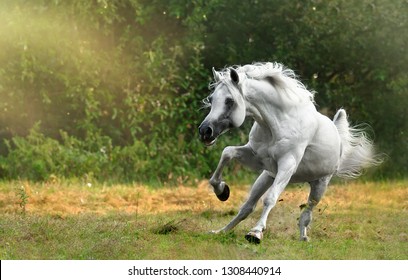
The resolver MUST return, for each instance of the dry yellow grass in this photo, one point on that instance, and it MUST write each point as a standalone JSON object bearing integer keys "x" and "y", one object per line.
{"x": 66, "y": 199}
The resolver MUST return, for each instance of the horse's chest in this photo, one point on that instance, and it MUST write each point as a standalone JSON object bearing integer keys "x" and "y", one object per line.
{"x": 266, "y": 158}
{"x": 269, "y": 148}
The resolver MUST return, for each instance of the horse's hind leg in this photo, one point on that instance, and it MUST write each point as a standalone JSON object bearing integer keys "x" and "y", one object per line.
{"x": 317, "y": 190}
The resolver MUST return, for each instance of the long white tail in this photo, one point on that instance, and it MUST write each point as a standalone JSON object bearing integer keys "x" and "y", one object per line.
{"x": 357, "y": 149}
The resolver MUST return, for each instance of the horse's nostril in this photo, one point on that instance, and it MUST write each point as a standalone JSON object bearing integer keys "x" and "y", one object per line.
{"x": 208, "y": 132}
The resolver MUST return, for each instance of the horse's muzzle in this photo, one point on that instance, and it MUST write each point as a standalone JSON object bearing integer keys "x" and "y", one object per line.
{"x": 206, "y": 134}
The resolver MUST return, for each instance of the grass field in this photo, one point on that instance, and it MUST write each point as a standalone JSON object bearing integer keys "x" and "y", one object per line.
{"x": 364, "y": 220}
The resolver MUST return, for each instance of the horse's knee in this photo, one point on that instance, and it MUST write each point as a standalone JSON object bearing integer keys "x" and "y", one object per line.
{"x": 228, "y": 153}
{"x": 215, "y": 183}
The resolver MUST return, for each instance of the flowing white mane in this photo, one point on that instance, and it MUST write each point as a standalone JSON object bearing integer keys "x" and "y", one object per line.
{"x": 282, "y": 78}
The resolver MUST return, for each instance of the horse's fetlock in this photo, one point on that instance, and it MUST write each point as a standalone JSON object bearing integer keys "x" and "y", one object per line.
{"x": 215, "y": 182}
{"x": 304, "y": 239}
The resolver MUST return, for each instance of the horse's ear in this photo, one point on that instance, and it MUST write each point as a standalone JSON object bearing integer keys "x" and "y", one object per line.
{"x": 234, "y": 76}
{"x": 217, "y": 76}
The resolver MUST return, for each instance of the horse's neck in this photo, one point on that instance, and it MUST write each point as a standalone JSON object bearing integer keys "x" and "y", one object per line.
{"x": 265, "y": 107}
{"x": 262, "y": 102}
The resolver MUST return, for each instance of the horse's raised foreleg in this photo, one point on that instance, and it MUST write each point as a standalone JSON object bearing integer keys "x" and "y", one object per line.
{"x": 317, "y": 189}
{"x": 260, "y": 186}
{"x": 245, "y": 155}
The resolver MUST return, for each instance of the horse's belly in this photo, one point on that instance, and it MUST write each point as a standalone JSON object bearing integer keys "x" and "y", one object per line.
{"x": 317, "y": 163}
{"x": 312, "y": 166}
{"x": 305, "y": 173}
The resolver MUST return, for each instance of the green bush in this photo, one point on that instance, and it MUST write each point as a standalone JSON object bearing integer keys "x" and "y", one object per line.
{"x": 112, "y": 89}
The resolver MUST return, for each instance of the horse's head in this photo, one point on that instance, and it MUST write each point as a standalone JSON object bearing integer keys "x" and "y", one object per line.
{"x": 227, "y": 106}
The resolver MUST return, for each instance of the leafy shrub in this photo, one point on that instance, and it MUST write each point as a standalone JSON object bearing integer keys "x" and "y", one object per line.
{"x": 112, "y": 89}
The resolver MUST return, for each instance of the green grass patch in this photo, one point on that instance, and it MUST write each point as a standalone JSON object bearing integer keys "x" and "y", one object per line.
{"x": 343, "y": 228}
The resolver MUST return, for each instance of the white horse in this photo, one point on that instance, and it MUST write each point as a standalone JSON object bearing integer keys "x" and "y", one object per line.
{"x": 289, "y": 142}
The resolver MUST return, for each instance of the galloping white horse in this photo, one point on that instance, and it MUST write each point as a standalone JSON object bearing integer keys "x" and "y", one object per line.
{"x": 289, "y": 142}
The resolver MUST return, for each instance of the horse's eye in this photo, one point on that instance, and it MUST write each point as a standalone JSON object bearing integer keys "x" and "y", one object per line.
{"x": 229, "y": 102}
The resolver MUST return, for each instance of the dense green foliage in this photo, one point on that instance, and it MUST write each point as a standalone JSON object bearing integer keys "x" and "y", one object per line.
{"x": 113, "y": 89}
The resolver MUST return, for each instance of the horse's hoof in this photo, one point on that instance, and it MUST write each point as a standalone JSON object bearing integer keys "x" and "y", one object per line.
{"x": 304, "y": 238}
{"x": 225, "y": 194}
{"x": 254, "y": 237}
